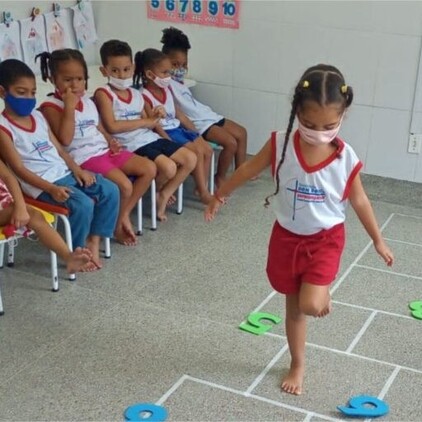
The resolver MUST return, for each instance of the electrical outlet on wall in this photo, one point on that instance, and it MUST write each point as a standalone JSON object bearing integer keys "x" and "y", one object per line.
{"x": 415, "y": 141}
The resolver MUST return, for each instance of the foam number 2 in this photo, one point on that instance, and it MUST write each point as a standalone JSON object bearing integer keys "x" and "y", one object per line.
{"x": 358, "y": 409}
{"x": 145, "y": 412}
{"x": 254, "y": 324}
{"x": 416, "y": 308}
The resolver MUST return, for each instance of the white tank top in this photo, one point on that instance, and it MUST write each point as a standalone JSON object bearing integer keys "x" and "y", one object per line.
{"x": 312, "y": 199}
{"x": 37, "y": 152}
{"x": 87, "y": 141}
{"x": 170, "y": 121}
{"x": 201, "y": 115}
{"x": 130, "y": 109}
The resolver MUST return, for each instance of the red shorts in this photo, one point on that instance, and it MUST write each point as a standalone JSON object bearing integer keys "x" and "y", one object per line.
{"x": 294, "y": 258}
{"x": 104, "y": 163}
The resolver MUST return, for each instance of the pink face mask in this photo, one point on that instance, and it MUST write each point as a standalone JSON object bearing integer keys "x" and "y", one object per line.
{"x": 318, "y": 137}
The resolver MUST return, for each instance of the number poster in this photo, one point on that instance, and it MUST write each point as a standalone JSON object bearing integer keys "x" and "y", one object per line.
{"x": 221, "y": 13}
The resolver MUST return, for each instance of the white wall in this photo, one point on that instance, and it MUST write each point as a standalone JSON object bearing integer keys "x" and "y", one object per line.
{"x": 248, "y": 74}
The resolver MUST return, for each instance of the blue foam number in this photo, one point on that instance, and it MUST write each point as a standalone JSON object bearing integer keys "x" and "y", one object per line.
{"x": 154, "y": 413}
{"x": 358, "y": 409}
{"x": 254, "y": 324}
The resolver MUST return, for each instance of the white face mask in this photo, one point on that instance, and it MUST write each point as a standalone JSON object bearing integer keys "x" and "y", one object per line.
{"x": 162, "y": 82}
{"x": 120, "y": 83}
{"x": 318, "y": 137}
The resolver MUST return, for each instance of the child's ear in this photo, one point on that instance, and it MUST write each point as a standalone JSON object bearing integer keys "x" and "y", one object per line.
{"x": 103, "y": 71}
{"x": 150, "y": 75}
{"x": 3, "y": 92}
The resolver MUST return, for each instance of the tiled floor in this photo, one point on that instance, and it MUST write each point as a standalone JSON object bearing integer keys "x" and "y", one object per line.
{"x": 159, "y": 324}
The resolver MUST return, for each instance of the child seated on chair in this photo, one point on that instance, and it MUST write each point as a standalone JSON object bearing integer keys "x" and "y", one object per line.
{"x": 46, "y": 172}
{"x": 75, "y": 122}
{"x": 231, "y": 136}
{"x": 152, "y": 67}
{"x": 13, "y": 210}
{"x": 122, "y": 112}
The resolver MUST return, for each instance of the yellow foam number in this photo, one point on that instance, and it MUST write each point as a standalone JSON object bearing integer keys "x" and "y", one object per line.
{"x": 416, "y": 308}
{"x": 254, "y": 324}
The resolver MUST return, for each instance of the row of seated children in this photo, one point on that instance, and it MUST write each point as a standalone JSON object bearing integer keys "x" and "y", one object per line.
{"x": 70, "y": 153}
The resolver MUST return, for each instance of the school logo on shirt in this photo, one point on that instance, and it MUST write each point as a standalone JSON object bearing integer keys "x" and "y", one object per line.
{"x": 299, "y": 195}
{"x": 128, "y": 114}
{"x": 40, "y": 147}
{"x": 82, "y": 125}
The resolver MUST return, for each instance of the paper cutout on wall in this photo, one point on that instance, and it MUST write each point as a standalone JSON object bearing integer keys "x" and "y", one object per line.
{"x": 83, "y": 24}
{"x": 33, "y": 40}
{"x": 10, "y": 44}
{"x": 59, "y": 30}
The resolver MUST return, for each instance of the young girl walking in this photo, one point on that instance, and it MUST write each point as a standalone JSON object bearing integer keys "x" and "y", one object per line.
{"x": 74, "y": 120}
{"x": 315, "y": 174}
{"x": 153, "y": 68}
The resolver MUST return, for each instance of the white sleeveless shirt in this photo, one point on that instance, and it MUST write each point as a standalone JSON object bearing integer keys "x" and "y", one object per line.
{"x": 37, "y": 152}
{"x": 87, "y": 140}
{"x": 130, "y": 109}
{"x": 201, "y": 115}
{"x": 312, "y": 199}
{"x": 170, "y": 121}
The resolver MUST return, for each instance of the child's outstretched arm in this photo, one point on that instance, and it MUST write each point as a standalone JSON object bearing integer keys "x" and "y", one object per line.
{"x": 245, "y": 172}
{"x": 20, "y": 216}
{"x": 365, "y": 213}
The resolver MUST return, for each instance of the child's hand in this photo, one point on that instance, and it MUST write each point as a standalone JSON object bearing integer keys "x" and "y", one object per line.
{"x": 151, "y": 123}
{"x": 213, "y": 207}
{"x": 385, "y": 252}
{"x": 20, "y": 217}
{"x": 84, "y": 178}
{"x": 115, "y": 146}
{"x": 159, "y": 112}
{"x": 60, "y": 193}
{"x": 70, "y": 99}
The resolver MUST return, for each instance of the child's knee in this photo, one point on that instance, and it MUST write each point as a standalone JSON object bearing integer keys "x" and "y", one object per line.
{"x": 169, "y": 169}
{"x": 35, "y": 216}
{"x": 230, "y": 145}
{"x": 188, "y": 159}
{"x": 150, "y": 170}
{"x": 311, "y": 306}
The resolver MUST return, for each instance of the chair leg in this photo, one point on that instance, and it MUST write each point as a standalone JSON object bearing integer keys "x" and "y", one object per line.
{"x": 1, "y": 304}
{"x": 180, "y": 199}
{"x": 11, "y": 253}
{"x": 2, "y": 255}
{"x": 212, "y": 171}
{"x": 139, "y": 212}
{"x": 153, "y": 205}
{"x": 54, "y": 272}
{"x": 107, "y": 248}
{"x": 68, "y": 237}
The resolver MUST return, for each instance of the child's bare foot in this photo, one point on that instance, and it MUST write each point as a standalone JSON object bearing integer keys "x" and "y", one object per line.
{"x": 326, "y": 310}
{"x": 124, "y": 236}
{"x": 172, "y": 200}
{"x": 78, "y": 259}
{"x": 95, "y": 263}
{"x": 206, "y": 198}
{"x": 161, "y": 206}
{"x": 293, "y": 381}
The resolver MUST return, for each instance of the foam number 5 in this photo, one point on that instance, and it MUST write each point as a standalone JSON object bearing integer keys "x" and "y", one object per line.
{"x": 357, "y": 407}
{"x": 254, "y": 324}
{"x": 145, "y": 412}
{"x": 416, "y": 307}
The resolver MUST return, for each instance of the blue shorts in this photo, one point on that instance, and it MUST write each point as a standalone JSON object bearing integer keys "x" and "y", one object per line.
{"x": 181, "y": 135}
{"x": 158, "y": 147}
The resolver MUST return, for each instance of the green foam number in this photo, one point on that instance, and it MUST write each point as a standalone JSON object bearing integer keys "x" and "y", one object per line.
{"x": 416, "y": 308}
{"x": 254, "y": 324}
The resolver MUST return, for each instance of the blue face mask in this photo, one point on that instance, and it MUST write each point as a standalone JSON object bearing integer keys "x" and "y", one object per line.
{"x": 179, "y": 74}
{"x": 21, "y": 106}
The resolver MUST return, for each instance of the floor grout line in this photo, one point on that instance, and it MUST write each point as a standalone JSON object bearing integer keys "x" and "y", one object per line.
{"x": 171, "y": 390}
{"x": 343, "y": 352}
{"x": 403, "y": 242}
{"x": 352, "y": 305}
{"x": 261, "y": 376}
{"x": 361, "y": 332}
{"x": 367, "y": 267}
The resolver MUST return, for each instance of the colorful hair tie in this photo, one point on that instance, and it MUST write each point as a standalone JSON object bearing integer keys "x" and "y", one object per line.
{"x": 305, "y": 84}
{"x": 343, "y": 89}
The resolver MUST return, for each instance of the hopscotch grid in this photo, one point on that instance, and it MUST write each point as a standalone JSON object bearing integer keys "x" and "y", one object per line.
{"x": 351, "y": 354}
{"x": 361, "y": 332}
{"x": 418, "y": 217}
{"x": 403, "y": 242}
{"x": 186, "y": 377}
{"x": 381, "y": 270}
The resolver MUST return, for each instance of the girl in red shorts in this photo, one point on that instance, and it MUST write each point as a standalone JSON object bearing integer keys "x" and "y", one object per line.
{"x": 316, "y": 174}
